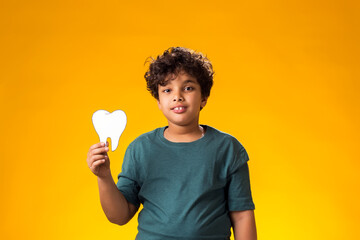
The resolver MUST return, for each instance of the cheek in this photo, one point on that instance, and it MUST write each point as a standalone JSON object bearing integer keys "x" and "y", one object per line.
{"x": 162, "y": 103}
{"x": 159, "y": 102}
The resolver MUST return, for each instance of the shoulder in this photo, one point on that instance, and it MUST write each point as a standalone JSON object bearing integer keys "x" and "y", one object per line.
{"x": 225, "y": 139}
{"x": 148, "y": 135}
{"x": 142, "y": 147}
{"x": 228, "y": 148}
{"x": 145, "y": 138}
{"x": 232, "y": 150}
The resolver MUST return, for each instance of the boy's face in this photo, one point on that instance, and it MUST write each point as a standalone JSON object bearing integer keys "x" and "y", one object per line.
{"x": 180, "y": 100}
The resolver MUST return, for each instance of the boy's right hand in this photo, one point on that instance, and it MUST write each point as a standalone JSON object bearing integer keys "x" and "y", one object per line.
{"x": 98, "y": 161}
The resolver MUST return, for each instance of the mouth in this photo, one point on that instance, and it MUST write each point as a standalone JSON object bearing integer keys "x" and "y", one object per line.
{"x": 179, "y": 109}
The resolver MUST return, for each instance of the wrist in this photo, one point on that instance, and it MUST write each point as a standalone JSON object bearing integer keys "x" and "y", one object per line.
{"x": 105, "y": 178}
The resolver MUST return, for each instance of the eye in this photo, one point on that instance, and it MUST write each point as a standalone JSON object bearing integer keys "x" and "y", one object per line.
{"x": 188, "y": 88}
{"x": 166, "y": 90}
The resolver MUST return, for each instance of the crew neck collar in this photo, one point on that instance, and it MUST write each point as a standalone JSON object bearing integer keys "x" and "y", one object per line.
{"x": 208, "y": 132}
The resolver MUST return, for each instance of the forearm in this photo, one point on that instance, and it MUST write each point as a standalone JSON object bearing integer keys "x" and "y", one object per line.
{"x": 244, "y": 226}
{"x": 113, "y": 202}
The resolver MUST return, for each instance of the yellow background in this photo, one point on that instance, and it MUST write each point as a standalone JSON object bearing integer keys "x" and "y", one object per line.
{"x": 286, "y": 85}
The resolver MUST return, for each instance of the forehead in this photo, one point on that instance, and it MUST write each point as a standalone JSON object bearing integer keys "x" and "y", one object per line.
{"x": 180, "y": 77}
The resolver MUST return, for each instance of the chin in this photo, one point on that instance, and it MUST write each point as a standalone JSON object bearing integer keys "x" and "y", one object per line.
{"x": 181, "y": 123}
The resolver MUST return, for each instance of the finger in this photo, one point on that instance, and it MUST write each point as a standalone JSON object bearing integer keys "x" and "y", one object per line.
{"x": 97, "y": 145}
{"x": 96, "y": 154}
{"x": 96, "y": 158}
{"x": 93, "y": 147}
{"x": 93, "y": 159}
{"x": 97, "y": 163}
{"x": 102, "y": 150}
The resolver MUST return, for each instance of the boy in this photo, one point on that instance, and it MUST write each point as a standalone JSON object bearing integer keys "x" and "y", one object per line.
{"x": 192, "y": 180}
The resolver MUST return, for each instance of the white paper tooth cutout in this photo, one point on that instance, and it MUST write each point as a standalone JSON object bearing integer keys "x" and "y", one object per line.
{"x": 109, "y": 125}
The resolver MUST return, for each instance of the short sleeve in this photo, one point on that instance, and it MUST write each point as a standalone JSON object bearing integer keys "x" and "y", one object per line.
{"x": 239, "y": 191}
{"x": 127, "y": 179}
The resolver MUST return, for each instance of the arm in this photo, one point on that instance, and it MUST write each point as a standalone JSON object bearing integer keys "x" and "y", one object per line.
{"x": 115, "y": 206}
{"x": 243, "y": 223}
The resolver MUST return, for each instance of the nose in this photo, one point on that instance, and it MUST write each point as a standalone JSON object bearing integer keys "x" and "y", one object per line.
{"x": 178, "y": 97}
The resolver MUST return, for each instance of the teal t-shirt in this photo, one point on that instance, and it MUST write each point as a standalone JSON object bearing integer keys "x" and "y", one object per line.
{"x": 187, "y": 189}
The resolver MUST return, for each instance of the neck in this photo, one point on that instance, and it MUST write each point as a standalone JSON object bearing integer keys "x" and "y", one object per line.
{"x": 175, "y": 133}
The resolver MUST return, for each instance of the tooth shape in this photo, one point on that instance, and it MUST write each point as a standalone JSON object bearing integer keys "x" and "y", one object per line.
{"x": 109, "y": 125}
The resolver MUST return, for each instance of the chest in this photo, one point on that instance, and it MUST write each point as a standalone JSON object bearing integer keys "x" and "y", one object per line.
{"x": 185, "y": 169}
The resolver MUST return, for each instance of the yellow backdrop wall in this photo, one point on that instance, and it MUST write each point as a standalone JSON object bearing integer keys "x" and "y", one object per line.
{"x": 286, "y": 85}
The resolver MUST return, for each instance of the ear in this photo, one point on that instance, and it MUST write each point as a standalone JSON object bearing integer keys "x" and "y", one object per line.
{"x": 203, "y": 102}
{"x": 159, "y": 105}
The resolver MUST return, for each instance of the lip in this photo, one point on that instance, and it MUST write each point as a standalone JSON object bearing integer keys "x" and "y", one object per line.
{"x": 179, "y": 109}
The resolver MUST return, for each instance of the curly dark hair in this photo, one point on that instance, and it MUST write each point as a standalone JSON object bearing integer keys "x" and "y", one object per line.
{"x": 175, "y": 60}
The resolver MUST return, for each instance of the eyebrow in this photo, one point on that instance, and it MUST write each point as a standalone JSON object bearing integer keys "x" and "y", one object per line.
{"x": 189, "y": 81}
